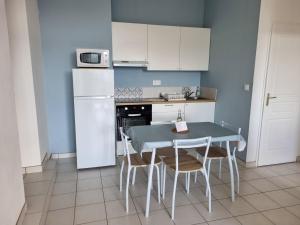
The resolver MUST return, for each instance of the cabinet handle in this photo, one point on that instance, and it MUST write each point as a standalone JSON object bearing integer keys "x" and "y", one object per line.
{"x": 169, "y": 105}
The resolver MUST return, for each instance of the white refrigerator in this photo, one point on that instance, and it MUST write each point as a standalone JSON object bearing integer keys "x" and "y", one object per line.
{"x": 94, "y": 109}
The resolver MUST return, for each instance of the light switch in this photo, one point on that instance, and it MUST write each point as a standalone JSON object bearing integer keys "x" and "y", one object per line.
{"x": 156, "y": 82}
{"x": 247, "y": 87}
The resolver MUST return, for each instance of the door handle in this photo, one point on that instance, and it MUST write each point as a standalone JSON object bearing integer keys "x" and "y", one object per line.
{"x": 268, "y": 98}
{"x": 134, "y": 115}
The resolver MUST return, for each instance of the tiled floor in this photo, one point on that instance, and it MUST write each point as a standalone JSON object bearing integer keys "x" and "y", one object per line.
{"x": 268, "y": 195}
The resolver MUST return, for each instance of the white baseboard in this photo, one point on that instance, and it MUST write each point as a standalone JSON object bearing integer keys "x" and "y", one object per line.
{"x": 22, "y": 215}
{"x": 63, "y": 155}
{"x": 33, "y": 169}
{"x": 251, "y": 164}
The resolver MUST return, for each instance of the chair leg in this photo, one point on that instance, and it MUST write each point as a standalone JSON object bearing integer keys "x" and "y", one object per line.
{"x": 148, "y": 175}
{"x": 133, "y": 177}
{"x": 237, "y": 173}
{"x": 127, "y": 187}
{"x": 161, "y": 177}
{"x": 208, "y": 190}
{"x": 208, "y": 174}
{"x": 220, "y": 169}
{"x": 121, "y": 175}
{"x": 158, "y": 183}
{"x": 164, "y": 182}
{"x": 174, "y": 194}
{"x": 196, "y": 173}
{"x": 188, "y": 182}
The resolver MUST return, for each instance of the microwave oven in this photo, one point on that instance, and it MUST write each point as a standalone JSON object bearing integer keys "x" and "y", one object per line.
{"x": 92, "y": 58}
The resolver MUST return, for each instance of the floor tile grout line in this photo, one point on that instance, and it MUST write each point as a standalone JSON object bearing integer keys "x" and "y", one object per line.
{"x": 103, "y": 198}
{"x": 74, "y": 216}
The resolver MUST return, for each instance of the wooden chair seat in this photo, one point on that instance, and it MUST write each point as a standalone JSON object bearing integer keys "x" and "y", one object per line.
{"x": 145, "y": 160}
{"x": 136, "y": 160}
{"x": 185, "y": 163}
{"x": 146, "y": 156}
{"x": 169, "y": 152}
{"x": 213, "y": 152}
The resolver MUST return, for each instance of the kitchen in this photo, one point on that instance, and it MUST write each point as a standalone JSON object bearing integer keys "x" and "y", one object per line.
{"x": 200, "y": 61}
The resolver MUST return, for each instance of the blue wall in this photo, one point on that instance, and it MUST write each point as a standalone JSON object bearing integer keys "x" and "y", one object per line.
{"x": 163, "y": 12}
{"x": 69, "y": 24}
{"x": 65, "y": 26}
{"x": 234, "y": 26}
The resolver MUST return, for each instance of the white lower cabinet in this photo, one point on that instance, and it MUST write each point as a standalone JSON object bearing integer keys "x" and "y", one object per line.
{"x": 199, "y": 112}
{"x": 190, "y": 112}
{"x": 166, "y": 112}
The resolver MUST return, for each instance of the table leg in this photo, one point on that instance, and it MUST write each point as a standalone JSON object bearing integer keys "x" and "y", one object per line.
{"x": 150, "y": 183}
{"x": 231, "y": 171}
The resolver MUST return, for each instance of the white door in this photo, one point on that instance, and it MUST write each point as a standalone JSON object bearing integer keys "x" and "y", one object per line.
{"x": 280, "y": 126}
{"x": 129, "y": 41}
{"x": 163, "y": 47}
{"x": 95, "y": 132}
{"x": 194, "y": 48}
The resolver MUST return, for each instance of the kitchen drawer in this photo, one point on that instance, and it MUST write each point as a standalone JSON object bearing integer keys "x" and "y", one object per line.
{"x": 165, "y": 116}
{"x": 168, "y": 108}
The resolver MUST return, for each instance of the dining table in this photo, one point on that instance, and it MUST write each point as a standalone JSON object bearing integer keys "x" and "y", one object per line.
{"x": 151, "y": 137}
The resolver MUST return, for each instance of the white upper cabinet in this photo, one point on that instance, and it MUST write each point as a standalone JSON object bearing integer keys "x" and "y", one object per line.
{"x": 159, "y": 47}
{"x": 163, "y": 47}
{"x": 194, "y": 48}
{"x": 129, "y": 42}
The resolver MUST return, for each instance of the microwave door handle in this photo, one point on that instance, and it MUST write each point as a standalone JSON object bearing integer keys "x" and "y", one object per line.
{"x": 134, "y": 115}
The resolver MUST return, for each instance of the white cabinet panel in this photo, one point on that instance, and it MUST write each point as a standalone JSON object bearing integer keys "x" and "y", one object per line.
{"x": 165, "y": 116}
{"x": 194, "y": 48}
{"x": 200, "y": 112}
{"x": 163, "y": 47}
{"x": 165, "y": 108}
{"x": 166, "y": 112}
{"x": 129, "y": 41}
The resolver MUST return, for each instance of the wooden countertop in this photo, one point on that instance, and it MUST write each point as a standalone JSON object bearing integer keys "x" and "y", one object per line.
{"x": 150, "y": 101}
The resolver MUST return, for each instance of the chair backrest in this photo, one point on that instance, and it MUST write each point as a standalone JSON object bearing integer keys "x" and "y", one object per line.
{"x": 125, "y": 145}
{"x": 190, "y": 144}
{"x": 237, "y": 145}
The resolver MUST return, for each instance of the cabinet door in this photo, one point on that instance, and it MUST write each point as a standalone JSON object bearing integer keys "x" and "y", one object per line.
{"x": 129, "y": 41}
{"x": 194, "y": 48}
{"x": 163, "y": 47}
{"x": 166, "y": 112}
{"x": 200, "y": 112}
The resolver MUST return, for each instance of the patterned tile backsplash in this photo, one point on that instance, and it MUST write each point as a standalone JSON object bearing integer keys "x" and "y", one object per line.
{"x": 149, "y": 92}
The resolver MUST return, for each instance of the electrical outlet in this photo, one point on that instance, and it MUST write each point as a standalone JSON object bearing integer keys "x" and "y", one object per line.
{"x": 156, "y": 82}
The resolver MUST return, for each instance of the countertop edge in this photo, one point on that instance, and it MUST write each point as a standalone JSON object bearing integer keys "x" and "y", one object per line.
{"x": 165, "y": 102}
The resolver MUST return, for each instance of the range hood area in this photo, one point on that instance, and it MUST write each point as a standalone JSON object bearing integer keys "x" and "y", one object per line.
{"x": 130, "y": 63}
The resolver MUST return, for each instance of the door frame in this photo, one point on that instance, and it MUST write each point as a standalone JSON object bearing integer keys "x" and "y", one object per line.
{"x": 266, "y": 21}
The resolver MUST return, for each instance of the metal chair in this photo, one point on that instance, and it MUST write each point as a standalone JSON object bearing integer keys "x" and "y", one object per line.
{"x": 167, "y": 152}
{"x": 218, "y": 152}
{"x": 187, "y": 164}
{"x": 134, "y": 161}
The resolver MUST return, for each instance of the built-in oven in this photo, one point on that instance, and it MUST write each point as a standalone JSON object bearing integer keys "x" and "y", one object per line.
{"x": 132, "y": 115}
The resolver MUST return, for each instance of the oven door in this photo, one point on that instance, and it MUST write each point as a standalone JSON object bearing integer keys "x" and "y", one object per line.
{"x": 130, "y": 121}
